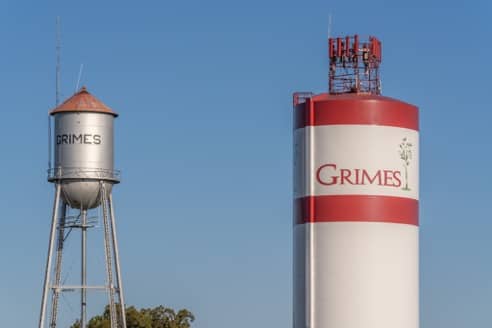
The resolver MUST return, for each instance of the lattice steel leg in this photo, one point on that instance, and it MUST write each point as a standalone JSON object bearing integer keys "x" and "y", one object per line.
{"x": 47, "y": 273}
{"x": 109, "y": 261}
{"x": 58, "y": 266}
{"x": 117, "y": 263}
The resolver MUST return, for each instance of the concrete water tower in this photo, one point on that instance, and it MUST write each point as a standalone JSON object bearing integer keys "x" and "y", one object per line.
{"x": 356, "y": 198}
{"x": 83, "y": 175}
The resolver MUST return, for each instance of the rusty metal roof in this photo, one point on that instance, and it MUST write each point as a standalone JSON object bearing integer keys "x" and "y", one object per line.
{"x": 83, "y": 101}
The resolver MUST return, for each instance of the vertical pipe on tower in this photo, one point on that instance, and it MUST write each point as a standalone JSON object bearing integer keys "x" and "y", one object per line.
{"x": 310, "y": 236}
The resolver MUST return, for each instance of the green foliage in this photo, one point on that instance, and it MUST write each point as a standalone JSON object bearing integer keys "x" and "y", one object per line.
{"x": 76, "y": 324}
{"x": 158, "y": 317}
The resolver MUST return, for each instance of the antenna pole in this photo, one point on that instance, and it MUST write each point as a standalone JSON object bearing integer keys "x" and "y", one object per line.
{"x": 58, "y": 59}
{"x": 79, "y": 77}
{"x": 329, "y": 25}
{"x": 57, "y": 84}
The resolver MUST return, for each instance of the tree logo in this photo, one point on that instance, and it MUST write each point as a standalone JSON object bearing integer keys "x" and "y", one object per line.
{"x": 405, "y": 153}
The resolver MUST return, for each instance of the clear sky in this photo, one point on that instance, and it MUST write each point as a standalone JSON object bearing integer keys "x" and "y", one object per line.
{"x": 204, "y": 136}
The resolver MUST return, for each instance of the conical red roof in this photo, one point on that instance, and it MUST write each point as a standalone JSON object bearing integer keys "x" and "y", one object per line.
{"x": 83, "y": 101}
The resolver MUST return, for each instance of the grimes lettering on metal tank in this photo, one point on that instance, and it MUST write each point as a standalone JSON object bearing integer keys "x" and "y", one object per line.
{"x": 87, "y": 139}
{"x": 329, "y": 174}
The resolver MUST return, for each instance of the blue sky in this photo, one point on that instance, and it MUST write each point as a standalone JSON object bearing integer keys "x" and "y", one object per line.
{"x": 204, "y": 142}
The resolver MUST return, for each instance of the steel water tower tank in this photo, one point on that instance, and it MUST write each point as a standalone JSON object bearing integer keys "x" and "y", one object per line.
{"x": 83, "y": 149}
{"x": 356, "y": 191}
{"x": 83, "y": 175}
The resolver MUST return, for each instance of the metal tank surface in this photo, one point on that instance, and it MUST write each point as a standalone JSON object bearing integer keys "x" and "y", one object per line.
{"x": 83, "y": 175}
{"x": 356, "y": 199}
{"x": 83, "y": 149}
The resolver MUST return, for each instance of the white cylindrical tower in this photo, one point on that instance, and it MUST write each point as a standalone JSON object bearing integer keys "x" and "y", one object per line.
{"x": 356, "y": 191}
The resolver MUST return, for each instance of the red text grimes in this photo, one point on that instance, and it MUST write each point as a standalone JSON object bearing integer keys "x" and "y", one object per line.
{"x": 329, "y": 175}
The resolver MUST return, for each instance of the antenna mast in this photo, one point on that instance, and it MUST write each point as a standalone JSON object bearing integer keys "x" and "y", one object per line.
{"x": 58, "y": 59}
{"x": 79, "y": 77}
{"x": 329, "y": 25}
{"x": 57, "y": 84}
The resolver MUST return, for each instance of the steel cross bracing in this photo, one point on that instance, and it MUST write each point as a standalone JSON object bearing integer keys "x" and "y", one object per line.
{"x": 61, "y": 222}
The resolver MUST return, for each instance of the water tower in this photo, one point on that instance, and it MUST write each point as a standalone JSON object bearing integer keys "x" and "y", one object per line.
{"x": 356, "y": 191}
{"x": 83, "y": 176}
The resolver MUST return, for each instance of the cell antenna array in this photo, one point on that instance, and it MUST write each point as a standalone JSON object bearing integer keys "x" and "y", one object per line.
{"x": 354, "y": 65}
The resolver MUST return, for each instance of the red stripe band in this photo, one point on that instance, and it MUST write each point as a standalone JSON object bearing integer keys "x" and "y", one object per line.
{"x": 356, "y": 208}
{"x": 355, "y": 109}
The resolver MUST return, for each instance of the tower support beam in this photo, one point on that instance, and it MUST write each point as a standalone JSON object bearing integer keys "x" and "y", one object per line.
{"x": 58, "y": 266}
{"x": 107, "y": 253}
{"x": 47, "y": 272}
{"x": 117, "y": 262}
{"x": 83, "y": 269}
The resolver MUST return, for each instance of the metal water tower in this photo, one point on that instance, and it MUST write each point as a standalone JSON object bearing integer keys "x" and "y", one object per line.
{"x": 356, "y": 198}
{"x": 83, "y": 175}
